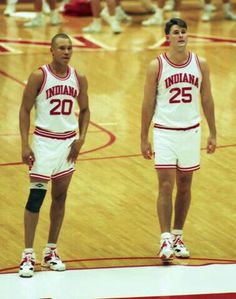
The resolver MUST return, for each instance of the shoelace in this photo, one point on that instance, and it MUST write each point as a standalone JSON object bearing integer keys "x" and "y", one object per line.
{"x": 178, "y": 242}
{"x": 28, "y": 260}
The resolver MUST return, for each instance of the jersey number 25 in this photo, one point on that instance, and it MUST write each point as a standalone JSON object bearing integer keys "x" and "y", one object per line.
{"x": 181, "y": 95}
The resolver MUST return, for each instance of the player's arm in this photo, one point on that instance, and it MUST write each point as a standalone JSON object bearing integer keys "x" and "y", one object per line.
{"x": 30, "y": 93}
{"x": 83, "y": 118}
{"x": 148, "y": 107}
{"x": 208, "y": 105}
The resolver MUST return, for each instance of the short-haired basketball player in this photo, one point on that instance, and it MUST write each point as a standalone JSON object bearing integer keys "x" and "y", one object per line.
{"x": 54, "y": 90}
{"x": 173, "y": 84}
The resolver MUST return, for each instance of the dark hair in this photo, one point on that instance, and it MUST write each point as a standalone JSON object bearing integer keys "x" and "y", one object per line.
{"x": 175, "y": 21}
{"x": 59, "y": 35}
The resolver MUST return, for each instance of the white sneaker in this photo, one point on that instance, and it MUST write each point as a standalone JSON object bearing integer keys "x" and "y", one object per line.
{"x": 27, "y": 265}
{"x": 206, "y": 16}
{"x": 55, "y": 18}
{"x": 169, "y": 5}
{"x": 166, "y": 250}
{"x": 46, "y": 8}
{"x": 180, "y": 249}
{"x": 52, "y": 260}
{"x": 121, "y": 15}
{"x": 38, "y": 21}
{"x": 212, "y": 7}
{"x": 153, "y": 21}
{"x": 105, "y": 15}
{"x": 115, "y": 26}
{"x": 9, "y": 10}
{"x": 94, "y": 27}
{"x": 230, "y": 16}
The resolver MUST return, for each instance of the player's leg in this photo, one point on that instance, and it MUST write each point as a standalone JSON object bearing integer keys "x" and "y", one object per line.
{"x": 166, "y": 179}
{"x": 182, "y": 203}
{"x": 57, "y": 211}
{"x": 38, "y": 189}
{"x": 96, "y": 25}
{"x": 157, "y": 18}
{"x": 165, "y": 164}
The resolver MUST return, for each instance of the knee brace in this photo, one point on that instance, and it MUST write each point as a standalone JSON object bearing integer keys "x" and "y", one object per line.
{"x": 36, "y": 197}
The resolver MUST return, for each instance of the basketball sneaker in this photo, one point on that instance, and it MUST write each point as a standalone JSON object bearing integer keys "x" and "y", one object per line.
{"x": 38, "y": 21}
{"x": 169, "y": 5}
{"x": 55, "y": 19}
{"x": 206, "y": 16}
{"x": 115, "y": 26}
{"x": 51, "y": 260}
{"x": 229, "y": 15}
{"x": 9, "y": 10}
{"x": 121, "y": 15}
{"x": 45, "y": 7}
{"x": 180, "y": 250}
{"x": 166, "y": 250}
{"x": 27, "y": 264}
{"x": 94, "y": 27}
{"x": 157, "y": 19}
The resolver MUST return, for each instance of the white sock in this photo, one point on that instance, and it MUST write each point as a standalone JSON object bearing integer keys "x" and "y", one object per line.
{"x": 159, "y": 12}
{"x": 175, "y": 14}
{"x": 166, "y": 235}
{"x": 97, "y": 21}
{"x": 28, "y": 250}
{"x": 51, "y": 245}
{"x": 227, "y": 7}
{"x": 177, "y": 232}
{"x": 39, "y": 15}
{"x": 207, "y": 7}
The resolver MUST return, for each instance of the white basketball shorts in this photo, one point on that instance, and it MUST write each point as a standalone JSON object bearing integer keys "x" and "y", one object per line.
{"x": 177, "y": 149}
{"x": 51, "y": 158}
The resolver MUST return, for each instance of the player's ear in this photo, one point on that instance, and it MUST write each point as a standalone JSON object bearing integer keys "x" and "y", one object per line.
{"x": 167, "y": 37}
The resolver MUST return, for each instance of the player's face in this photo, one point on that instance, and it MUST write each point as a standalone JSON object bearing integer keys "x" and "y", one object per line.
{"x": 178, "y": 37}
{"x": 62, "y": 50}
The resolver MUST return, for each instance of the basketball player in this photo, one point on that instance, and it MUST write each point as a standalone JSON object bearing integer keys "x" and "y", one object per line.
{"x": 173, "y": 82}
{"x": 54, "y": 90}
{"x": 157, "y": 18}
{"x": 227, "y": 9}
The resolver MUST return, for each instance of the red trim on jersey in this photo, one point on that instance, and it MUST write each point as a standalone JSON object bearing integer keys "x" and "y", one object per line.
{"x": 160, "y": 68}
{"x": 178, "y": 65}
{"x": 63, "y": 173}
{"x": 165, "y": 166}
{"x": 77, "y": 77}
{"x": 44, "y": 79}
{"x": 173, "y": 166}
{"x": 54, "y": 135}
{"x": 176, "y": 129}
{"x": 186, "y": 169}
{"x": 68, "y": 72}
{"x": 198, "y": 63}
{"x": 40, "y": 176}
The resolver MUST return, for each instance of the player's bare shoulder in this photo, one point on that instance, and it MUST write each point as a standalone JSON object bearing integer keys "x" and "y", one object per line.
{"x": 36, "y": 78}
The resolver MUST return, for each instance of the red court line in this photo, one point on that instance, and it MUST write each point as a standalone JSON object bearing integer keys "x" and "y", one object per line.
{"x": 211, "y": 262}
{"x": 3, "y": 73}
{"x": 196, "y": 296}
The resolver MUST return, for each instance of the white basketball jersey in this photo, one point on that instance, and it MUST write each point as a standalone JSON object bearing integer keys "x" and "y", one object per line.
{"x": 178, "y": 87}
{"x": 55, "y": 103}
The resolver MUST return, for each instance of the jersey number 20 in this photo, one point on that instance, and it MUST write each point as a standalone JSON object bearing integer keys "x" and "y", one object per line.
{"x": 61, "y": 107}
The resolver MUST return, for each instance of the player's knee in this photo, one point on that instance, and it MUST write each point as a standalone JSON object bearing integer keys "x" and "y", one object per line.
{"x": 36, "y": 197}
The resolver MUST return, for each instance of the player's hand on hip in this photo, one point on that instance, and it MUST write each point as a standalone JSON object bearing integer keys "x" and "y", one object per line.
{"x": 146, "y": 150}
{"x": 74, "y": 150}
{"x": 211, "y": 145}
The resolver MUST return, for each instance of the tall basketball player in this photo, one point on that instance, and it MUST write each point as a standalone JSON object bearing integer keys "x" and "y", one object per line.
{"x": 54, "y": 90}
{"x": 173, "y": 84}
